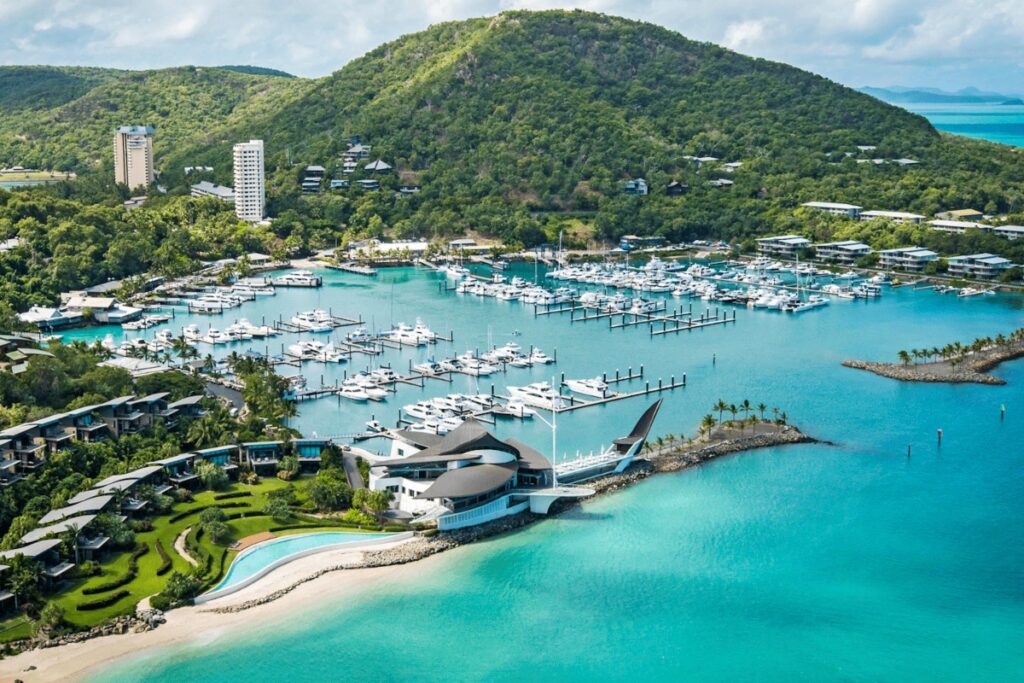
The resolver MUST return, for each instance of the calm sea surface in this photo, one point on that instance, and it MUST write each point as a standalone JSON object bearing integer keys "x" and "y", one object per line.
{"x": 848, "y": 562}
{"x": 999, "y": 123}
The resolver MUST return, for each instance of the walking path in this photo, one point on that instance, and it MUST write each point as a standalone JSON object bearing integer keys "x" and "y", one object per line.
{"x": 179, "y": 547}
{"x": 252, "y": 540}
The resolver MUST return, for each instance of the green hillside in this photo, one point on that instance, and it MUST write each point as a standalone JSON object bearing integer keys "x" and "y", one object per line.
{"x": 554, "y": 110}
{"x": 517, "y": 126}
{"x": 63, "y": 117}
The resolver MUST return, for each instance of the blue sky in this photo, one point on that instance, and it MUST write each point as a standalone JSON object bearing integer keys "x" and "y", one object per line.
{"x": 937, "y": 43}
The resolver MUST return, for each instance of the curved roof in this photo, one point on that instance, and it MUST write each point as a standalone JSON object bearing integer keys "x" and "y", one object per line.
{"x": 530, "y": 458}
{"x": 458, "y": 444}
{"x": 465, "y": 482}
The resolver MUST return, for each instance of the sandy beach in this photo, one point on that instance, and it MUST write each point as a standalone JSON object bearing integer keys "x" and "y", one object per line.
{"x": 199, "y": 624}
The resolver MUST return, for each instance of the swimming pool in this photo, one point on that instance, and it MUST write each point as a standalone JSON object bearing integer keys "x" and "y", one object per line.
{"x": 262, "y": 558}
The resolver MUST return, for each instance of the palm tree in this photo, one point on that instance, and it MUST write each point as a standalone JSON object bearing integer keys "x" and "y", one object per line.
{"x": 775, "y": 413}
{"x": 783, "y": 417}
{"x": 707, "y": 424}
{"x": 746, "y": 407}
{"x": 732, "y": 411}
{"x": 761, "y": 408}
{"x": 721, "y": 407}
{"x": 904, "y": 357}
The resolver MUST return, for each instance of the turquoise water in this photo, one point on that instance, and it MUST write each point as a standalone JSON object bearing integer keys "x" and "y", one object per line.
{"x": 998, "y": 123}
{"x": 265, "y": 554}
{"x": 838, "y": 562}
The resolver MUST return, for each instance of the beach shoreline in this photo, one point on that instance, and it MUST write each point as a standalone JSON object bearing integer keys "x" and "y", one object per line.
{"x": 318, "y": 578}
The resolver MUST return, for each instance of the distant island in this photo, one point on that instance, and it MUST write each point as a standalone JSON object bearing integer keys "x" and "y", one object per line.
{"x": 954, "y": 363}
{"x": 1013, "y": 101}
{"x": 901, "y": 95}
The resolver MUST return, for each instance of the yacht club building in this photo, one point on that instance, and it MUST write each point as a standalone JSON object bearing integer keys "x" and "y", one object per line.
{"x": 470, "y": 476}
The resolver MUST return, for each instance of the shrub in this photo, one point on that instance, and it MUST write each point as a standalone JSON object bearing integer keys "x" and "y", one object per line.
{"x": 140, "y": 525}
{"x": 277, "y": 509}
{"x": 359, "y": 517}
{"x": 165, "y": 565}
{"x": 429, "y": 533}
{"x": 88, "y": 568}
{"x": 160, "y": 602}
{"x": 181, "y": 587}
{"x": 102, "y": 602}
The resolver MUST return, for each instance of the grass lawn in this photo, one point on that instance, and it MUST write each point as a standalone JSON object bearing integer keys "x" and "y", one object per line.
{"x": 147, "y": 582}
{"x": 15, "y": 628}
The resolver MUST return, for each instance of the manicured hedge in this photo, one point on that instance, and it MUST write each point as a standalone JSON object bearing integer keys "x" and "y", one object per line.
{"x": 166, "y": 561}
{"x": 232, "y": 494}
{"x": 126, "y": 578}
{"x": 102, "y": 602}
{"x": 223, "y": 506}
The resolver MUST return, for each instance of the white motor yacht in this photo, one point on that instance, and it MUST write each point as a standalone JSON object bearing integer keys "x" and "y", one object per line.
{"x": 353, "y": 391}
{"x": 539, "y": 357}
{"x": 539, "y": 394}
{"x": 588, "y": 387}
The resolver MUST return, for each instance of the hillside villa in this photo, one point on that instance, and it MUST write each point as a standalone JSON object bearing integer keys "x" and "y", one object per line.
{"x": 845, "y": 252}
{"x": 786, "y": 246}
{"x": 907, "y": 258}
{"x": 986, "y": 266}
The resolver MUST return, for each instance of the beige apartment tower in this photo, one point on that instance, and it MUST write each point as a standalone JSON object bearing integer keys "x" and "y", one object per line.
{"x": 250, "y": 193}
{"x": 133, "y": 156}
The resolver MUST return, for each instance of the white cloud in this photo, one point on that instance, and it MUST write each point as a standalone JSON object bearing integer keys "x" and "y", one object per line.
{"x": 926, "y": 42}
{"x": 743, "y": 35}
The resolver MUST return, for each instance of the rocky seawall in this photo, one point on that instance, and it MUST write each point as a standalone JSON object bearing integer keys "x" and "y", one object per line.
{"x": 926, "y": 372}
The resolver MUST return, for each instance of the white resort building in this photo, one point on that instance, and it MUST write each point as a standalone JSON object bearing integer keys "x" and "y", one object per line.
{"x": 894, "y": 216}
{"x": 846, "y": 252}
{"x": 1010, "y": 232}
{"x": 782, "y": 245}
{"x": 986, "y": 266}
{"x": 958, "y": 227}
{"x": 835, "y": 208}
{"x": 470, "y": 476}
{"x": 250, "y": 192}
{"x": 207, "y": 189}
{"x": 906, "y": 258}
{"x": 133, "y": 156}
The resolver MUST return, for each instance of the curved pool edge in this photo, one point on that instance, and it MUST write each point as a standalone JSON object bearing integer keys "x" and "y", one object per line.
{"x": 216, "y": 594}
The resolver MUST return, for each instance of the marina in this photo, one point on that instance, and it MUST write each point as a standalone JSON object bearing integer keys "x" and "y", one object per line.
{"x": 350, "y": 360}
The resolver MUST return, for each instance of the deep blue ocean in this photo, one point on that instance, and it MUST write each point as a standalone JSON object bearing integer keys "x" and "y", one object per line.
{"x": 848, "y": 562}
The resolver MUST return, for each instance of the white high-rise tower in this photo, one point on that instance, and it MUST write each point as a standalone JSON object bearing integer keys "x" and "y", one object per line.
{"x": 133, "y": 156}
{"x": 250, "y": 193}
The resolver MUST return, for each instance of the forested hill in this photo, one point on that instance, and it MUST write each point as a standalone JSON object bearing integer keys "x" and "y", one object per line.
{"x": 63, "y": 118}
{"x": 554, "y": 110}
{"x": 502, "y": 119}
{"x": 585, "y": 92}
